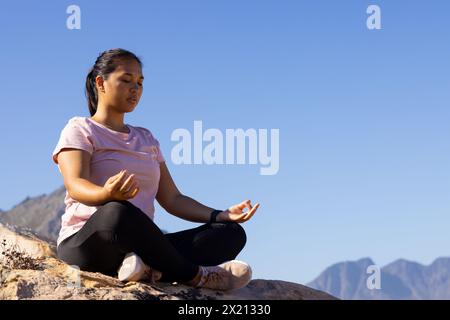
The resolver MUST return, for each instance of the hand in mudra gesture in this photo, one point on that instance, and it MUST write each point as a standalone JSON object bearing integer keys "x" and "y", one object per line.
{"x": 121, "y": 186}
{"x": 236, "y": 214}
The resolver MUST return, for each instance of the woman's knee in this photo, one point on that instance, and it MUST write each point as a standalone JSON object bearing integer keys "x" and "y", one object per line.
{"x": 115, "y": 213}
{"x": 236, "y": 233}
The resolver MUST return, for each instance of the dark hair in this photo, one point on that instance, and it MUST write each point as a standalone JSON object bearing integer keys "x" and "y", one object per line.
{"x": 105, "y": 64}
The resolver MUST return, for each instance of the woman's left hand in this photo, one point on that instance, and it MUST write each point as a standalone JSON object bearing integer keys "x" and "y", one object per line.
{"x": 236, "y": 214}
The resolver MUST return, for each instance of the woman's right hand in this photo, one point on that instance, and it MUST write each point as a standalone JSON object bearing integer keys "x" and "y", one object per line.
{"x": 121, "y": 186}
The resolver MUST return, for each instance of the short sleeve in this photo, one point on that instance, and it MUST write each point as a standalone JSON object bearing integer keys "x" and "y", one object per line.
{"x": 160, "y": 158}
{"x": 74, "y": 135}
{"x": 154, "y": 142}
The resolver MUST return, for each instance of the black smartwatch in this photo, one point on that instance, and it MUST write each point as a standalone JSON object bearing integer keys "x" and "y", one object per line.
{"x": 214, "y": 214}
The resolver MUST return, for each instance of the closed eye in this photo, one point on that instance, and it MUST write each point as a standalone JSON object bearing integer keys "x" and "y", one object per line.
{"x": 126, "y": 81}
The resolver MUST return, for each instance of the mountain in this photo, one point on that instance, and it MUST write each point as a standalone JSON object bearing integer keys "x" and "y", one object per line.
{"x": 39, "y": 215}
{"x": 399, "y": 280}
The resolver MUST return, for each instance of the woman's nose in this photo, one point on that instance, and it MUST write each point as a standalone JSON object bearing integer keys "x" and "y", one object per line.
{"x": 135, "y": 88}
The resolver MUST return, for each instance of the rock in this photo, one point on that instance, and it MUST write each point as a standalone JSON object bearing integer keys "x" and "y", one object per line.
{"x": 34, "y": 248}
{"x": 29, "y": 269}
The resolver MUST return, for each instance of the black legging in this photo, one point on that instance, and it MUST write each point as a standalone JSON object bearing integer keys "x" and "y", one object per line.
{"x": 119, "y": 227}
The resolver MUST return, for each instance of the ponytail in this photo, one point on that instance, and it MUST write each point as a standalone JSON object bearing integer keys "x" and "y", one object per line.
{"x": 91, "y": 92}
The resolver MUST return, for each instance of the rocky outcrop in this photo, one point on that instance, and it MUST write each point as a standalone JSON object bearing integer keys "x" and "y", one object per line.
{"x": 30, "y": 270}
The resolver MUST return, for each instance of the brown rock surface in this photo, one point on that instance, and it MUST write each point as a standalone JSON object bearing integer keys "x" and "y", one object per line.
{"x": 30, "y": 270}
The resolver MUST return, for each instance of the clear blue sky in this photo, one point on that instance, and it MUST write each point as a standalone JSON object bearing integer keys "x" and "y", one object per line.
{"x": 363, "y": 115}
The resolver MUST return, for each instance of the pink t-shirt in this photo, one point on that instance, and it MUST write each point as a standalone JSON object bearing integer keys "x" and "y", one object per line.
{"x": 111, "y": 151}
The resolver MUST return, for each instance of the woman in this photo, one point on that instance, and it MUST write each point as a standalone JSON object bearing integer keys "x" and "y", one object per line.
{"x": 113, "y": 172}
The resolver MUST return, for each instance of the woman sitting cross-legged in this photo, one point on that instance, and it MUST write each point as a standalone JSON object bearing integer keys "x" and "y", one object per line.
{"x": 113, "y": 172}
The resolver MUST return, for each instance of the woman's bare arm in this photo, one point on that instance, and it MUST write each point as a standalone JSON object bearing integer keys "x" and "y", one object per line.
{"x": 74, "y": 166}
{"x": 177, "y": 204}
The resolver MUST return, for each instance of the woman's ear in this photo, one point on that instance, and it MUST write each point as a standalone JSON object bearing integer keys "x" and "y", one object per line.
{"x": 99, "y": 83}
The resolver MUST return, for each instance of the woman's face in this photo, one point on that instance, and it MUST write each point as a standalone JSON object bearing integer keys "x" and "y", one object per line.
{"x": 124, "y": 86}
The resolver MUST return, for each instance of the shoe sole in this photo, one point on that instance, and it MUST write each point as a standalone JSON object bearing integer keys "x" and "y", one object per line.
{"x": 131, "y": 268}
{"x": 235, "y": 281}
{"x": 240, "y": 282}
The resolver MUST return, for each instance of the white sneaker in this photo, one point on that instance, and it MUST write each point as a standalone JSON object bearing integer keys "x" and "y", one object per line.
{"x": 230, "y": 275}
{"x": 134, "y": 269}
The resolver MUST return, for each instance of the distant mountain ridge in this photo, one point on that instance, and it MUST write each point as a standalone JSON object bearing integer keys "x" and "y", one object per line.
{"x": 400, "y": 280}
{"x": 39, "y": 215}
